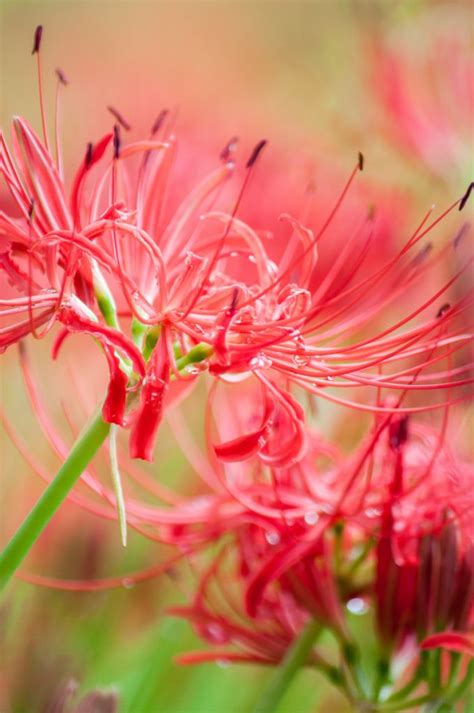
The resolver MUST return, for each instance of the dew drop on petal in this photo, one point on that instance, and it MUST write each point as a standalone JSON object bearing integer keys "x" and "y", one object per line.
{"x": 260, "y": 362}
{"x": 128, "y": 583}
{"x": 216, "y": 633}
{"x": 301, "y": 358}
{"x": 223, "y": 663}
{"x": 272, "y": 537}
{"x": 373, "y": 512}
{"x": 311, "y": 518}
{"x": 357, "y": 606}
{"x": 192, "y": 369}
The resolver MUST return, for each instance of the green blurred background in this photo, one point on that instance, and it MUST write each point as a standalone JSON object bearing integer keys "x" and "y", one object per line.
{"x": 295, "y": 72}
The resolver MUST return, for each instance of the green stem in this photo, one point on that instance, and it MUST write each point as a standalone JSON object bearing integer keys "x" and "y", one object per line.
{"x": 295, "y": 659}
{"x": 31, "y": 528}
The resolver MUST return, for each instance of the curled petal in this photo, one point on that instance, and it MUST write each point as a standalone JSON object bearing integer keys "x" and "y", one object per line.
{"x": 240, "y": 448}
{"x": 113, "y": 410}
{"x": 78, "y": 323}
{"x": 150, "y": 414}
{"x": 450, "y": 640}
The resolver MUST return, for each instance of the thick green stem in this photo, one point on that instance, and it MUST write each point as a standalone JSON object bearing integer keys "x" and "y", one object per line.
{"x": 31, "y": 528}
{"x": 295, "y": 659}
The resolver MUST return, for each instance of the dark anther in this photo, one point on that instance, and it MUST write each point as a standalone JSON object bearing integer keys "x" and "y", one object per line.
{"x": 62, "y": 77}
{"x": 465, "y": 197}
{"x": 37, "y": 40}
{"x": 116, "y": 141}
{"x": 361, "y": 161}
{"x": 88, "y": 156}
{"x": 159, "y": 121}
{"x": 255, "y": 153}
{"x": 234, "y": 300}
{"x": 422, "y": 254}
{"x": 398, "y": 433}
{"x": 121, "y": 119}
{"x": 228, "y": 150}
{"x": 461, "y": 233}
{"x": 442, "y": 310}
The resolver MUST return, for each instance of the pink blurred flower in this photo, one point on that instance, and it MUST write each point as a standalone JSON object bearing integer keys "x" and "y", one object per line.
{"x": 426, "y": 97}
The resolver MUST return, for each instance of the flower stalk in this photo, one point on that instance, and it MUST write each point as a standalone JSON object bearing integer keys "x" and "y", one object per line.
{"x": 294, "y": 660}
{"x": 36, "y": 521}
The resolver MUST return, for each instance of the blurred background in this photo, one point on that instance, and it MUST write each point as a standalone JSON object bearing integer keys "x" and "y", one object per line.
{"x": 321, "y": 80}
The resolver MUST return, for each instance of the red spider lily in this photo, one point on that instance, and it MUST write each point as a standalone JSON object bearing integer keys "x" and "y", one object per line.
{"x": 218, "y": 617}
{"x": 177, "y": 278}
{"x": 425, "y": 552}
{"x": 427, "y": 98}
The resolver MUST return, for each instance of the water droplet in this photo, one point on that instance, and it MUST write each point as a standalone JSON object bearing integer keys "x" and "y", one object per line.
{"x": 260, "y": 362}
{"x": 128, "y": 583}
{"x": 373, "y": 512}
{"x": 253, "y": 259}
{"x": 272, "y": 537}
{"x": 234, "y": 253}
{"x": 223, "y": 663}
{"x": 311, "y": 518}
{"x": 216, "y": 633}
{"x": 357, "y": 606}
{"x": 301, "y": 358}
{"x": 192, "y": 369}
{"x": 271, "y": 267}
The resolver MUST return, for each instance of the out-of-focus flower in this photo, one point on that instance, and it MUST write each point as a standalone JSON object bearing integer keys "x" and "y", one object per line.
{"x": 426, "y": 96}
{"x": 425, "y": 551}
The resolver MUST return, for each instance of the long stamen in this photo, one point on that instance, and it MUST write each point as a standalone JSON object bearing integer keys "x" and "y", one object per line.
{"x": 62, "y": 81}
{"x": 36, "y": 50}
{"x": 249, "y": 166}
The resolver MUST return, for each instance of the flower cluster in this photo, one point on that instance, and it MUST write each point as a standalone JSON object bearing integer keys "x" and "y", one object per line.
{"x": 180, "y": 289}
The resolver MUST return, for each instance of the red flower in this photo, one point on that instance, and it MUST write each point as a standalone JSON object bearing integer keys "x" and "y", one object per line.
{"x": 425, "y": 552}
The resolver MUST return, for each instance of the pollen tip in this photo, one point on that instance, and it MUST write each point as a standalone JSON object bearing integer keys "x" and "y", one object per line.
{"x": 31, "y": 209}
{"x": 89, "y": 152}
{"x": 361, "y": 161}
{"x": 235, "y": 298}
{"x": 398, "y": 433}
{"x": 37, "y": 39}
{"x": 120, "y": 118}
{"x": 62, "y": 77}
{"x": 227, "y": 152}
{"x": 255, "y": 153}
{"x": 116, "y": 141}
{"x": 442, "y": 310}
{"x": 465, "y": 197}
{"x": 459, "y": 237}
{"x": 158, "y": 123}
